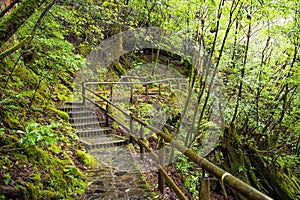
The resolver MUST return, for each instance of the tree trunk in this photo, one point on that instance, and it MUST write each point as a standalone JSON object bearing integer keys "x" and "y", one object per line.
{"x": 11, "y": 23}
{"x": 240, "y": 159}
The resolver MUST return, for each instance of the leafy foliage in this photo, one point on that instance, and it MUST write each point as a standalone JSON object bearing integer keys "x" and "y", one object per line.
{"x": 254, "y": 45}
{"x": 35, "y": 133}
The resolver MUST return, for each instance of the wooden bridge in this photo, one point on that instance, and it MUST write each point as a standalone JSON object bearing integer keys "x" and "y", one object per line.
{"x": 119, "y": 175}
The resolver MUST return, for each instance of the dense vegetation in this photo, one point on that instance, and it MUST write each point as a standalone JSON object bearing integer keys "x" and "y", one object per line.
{"x": 253, "y": 44}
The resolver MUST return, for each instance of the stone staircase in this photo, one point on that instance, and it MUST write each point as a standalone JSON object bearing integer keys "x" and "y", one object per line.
{"x": 118, "y": 175}
{"x": 90, "y": 130}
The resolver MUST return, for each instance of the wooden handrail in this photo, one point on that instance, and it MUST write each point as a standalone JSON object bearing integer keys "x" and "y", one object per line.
{"x": 133, "y": 83}
{"x": 225, "y": 177}
{"x": 233, "y": 182}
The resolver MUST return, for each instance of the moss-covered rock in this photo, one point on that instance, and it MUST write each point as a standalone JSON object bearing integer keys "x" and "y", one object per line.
{"x": 52, "y": 177}
{"x": 61, "y": 114}
{"x": 86, "y": 158}
{"x": 27, "y": 75}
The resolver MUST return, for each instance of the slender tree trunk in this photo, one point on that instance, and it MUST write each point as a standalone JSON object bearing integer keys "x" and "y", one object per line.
{"x": 242, "y": 71}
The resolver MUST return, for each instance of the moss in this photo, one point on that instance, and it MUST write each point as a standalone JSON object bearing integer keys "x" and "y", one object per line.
{"x": 61, "y": 114}
{"x": 64, "y": 78}
{"x": 24, "y": 191}
{"x": 10, "y": 23}
{"x": 5, "y": 163}
{"x": 44, "y": 93}
{"x": 46, "y": 194}
{"x": 85, "y": 158}
{"x": 21, "y": 157}
{"x": 10, "y": 120}
{"x": 54, "y": 148}
{"x": 32, "y": 191}
{"x": 37, "y": 155}
{"x": 61, "y": 179}
{"x": 282, "y": 189}
{"x": 63, "y": 93}
{"x": 68, "y": 159}
{"x": 120, "y": 69}
{"x": 36, "y": 177}
{"x": 28, "y": 76}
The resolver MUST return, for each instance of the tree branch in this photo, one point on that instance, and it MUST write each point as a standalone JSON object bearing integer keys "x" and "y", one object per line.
{"x": 10, "y": 6}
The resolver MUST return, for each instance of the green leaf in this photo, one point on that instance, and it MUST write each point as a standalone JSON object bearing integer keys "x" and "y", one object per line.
{"x": 7, "y": 178}
{"x": 32, "y": 139}
{"x": 23, "y": 140}
{"x": 242, "y": 168}
{"x": 50, "y": 140}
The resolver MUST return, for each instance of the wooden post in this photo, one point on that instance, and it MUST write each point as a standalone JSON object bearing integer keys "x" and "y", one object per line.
{"x": 131, "y": 125}
{"x": 106, "y": 115}
{"x": 204, "y": 187}
{"x": 161, "y": 156}
{"x": 142, "y": 135}
{"x": 131, "y": 93}
{"x": 159, "y": 90}
{"x": 111, "y": 93}
{"x": 131, "y": 129}
{"x": 147, "y": 90}
{"x": 204, "y": 193}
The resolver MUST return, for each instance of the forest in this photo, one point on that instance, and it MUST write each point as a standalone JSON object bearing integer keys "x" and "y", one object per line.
{"x": 47, "y": 48}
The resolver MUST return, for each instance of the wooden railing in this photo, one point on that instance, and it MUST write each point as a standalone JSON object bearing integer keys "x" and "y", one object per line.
{"x": 168, "y": 82}
{"x": 224, "y": 177}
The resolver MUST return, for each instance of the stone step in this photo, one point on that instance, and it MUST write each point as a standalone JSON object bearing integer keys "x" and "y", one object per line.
{"x": 78, "y": 114}
{"x": 84, "y": 119}
{"x": 71, "y": 108}
{"x": 92, "y": 143}
{"x": 84, "y": 126}
{"x": 93, "y": 132}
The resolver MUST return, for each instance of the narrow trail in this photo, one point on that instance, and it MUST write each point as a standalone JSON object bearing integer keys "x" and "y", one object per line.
{"x": 118, "y": 175}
